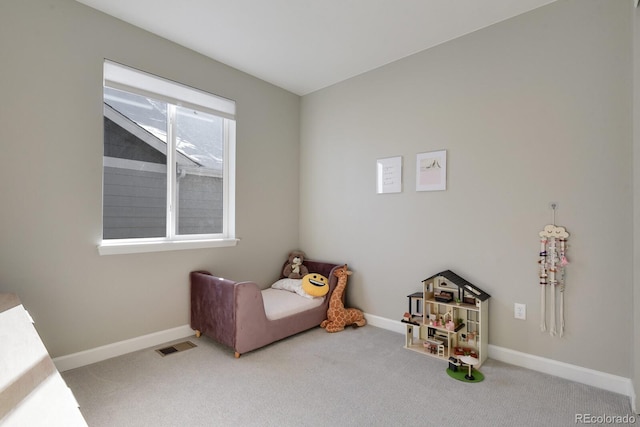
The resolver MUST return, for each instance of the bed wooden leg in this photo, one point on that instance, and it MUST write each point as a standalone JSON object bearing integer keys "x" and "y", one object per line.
{"x": 198, "y": 333}
{"x": 237, "y": 355}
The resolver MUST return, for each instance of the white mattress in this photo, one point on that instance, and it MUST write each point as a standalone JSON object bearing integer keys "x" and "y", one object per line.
{"x": 279, "y": 303}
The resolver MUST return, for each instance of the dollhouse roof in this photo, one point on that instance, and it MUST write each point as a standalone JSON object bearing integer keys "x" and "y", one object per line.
{"x": 462, "y": 283}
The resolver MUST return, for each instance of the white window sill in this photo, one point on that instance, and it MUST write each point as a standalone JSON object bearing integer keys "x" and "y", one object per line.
{"x": 117, "y": 248}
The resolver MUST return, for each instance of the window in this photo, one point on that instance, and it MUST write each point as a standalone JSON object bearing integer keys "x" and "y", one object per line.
{"x": 168, "y": 165}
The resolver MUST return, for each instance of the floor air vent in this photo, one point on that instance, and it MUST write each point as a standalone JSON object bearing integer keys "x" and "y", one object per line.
{"x": 176, "y": 348}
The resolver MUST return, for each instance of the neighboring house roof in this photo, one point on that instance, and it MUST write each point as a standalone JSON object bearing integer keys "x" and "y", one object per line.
{"x": 200, "y": 137}
{"x": 143, "y": 135}
{"x": 461, "y": 283}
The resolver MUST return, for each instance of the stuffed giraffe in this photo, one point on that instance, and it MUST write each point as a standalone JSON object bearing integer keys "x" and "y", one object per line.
{"x": 337, "y": 316}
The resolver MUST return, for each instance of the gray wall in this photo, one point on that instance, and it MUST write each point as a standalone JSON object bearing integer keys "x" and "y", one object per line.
{"x": 51, "y": 135}
{"x": 532, "y": 110}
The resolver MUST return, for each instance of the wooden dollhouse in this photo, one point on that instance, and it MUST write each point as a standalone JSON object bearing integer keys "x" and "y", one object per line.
{"x": 452, "y": 319}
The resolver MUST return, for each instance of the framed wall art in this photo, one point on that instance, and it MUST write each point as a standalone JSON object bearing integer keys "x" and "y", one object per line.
{"x": 389, "y": 175}
{"x": 431, "y": 171}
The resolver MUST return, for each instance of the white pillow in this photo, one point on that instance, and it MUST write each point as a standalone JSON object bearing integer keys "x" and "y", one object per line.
{"x": 287, "y": 284}
{"x": 292, "y": 285}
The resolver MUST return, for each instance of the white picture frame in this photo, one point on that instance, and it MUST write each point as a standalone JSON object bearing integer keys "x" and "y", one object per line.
{"x": 431, "y": 171}
{"x": 389, "y": 175}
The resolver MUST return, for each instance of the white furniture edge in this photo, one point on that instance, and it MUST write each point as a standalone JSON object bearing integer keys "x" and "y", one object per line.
{"x": 591, "y": 377}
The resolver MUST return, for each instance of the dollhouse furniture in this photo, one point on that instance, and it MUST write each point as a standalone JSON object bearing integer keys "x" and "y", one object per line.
{"x": 454, "y": 364}
{"x": 243, "y": 317}
{"x": 471, "y": 362}
{"x": 454, "y": 319}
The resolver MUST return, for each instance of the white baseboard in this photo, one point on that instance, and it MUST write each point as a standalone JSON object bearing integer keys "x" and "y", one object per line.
{"x": 603, "y": 380}
{"x": 87, "y": 357}
{"x": 384, "y": 323}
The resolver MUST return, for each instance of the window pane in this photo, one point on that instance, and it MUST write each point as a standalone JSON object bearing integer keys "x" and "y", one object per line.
{"x": 135, "y": 171}
{"x": 199, "y": 186}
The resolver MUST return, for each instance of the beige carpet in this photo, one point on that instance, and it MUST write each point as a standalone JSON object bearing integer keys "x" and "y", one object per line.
{"x": 358, "y": 377}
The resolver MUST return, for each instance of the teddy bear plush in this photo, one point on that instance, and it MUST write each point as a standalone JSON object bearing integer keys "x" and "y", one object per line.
{"x": 294, "y": 268}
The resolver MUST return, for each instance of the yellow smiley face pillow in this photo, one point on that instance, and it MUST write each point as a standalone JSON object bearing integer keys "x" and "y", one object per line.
{"x": 315, "y": 285}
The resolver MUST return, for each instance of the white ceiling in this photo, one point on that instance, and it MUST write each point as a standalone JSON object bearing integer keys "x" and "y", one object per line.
{"x": 306, "y": 45}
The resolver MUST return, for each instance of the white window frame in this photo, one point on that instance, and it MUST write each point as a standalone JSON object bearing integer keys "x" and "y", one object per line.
{"x": 121, "y": 77}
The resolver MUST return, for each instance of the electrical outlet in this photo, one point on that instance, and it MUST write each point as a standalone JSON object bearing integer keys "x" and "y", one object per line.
{"x": 520, "y": 311}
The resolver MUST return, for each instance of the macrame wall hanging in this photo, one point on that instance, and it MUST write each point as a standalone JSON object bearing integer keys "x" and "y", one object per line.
{"x": 553, "y": 259}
